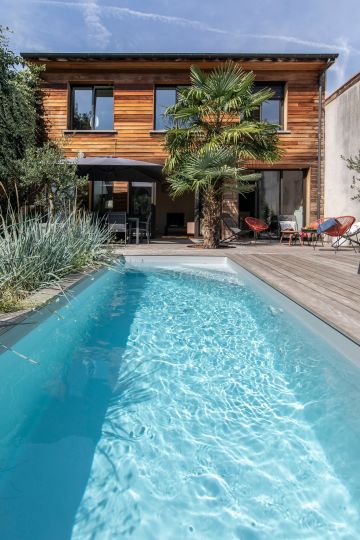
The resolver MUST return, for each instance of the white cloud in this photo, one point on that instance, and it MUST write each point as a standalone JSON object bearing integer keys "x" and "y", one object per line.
{"x": 97, "y": 30}
{"x": 298, "y": 41}
{"x": 98, "y": 33}
{"x": 156, "y": 17}
{"x": 340, "y": 67}
{"x": 121, "y": 11}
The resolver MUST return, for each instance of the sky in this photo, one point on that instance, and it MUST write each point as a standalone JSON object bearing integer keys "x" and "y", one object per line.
{"x": 277, "y": 26}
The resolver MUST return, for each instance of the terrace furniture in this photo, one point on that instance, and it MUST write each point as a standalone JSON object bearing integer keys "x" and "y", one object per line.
{"x": 310, "y": 233}
{"x": 134, "y": 222}
{"x": 145, "y": 229}
{"x": 117, "y": 223}
{"x": 353, "y": 235}
{"x": 256, "y": 226}
{"x": 336, "y": 228}
{"x": 230, "y": 224}
{"x": 289, "y": 230}
{"x": 349, "y": 237}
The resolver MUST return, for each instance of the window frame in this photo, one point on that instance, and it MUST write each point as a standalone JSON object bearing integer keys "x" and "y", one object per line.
{"x": 164, "y": 87}
{"x": 305, "y": 191}
{"x": 282, "y": 101}
{"x": 93, "y": 88}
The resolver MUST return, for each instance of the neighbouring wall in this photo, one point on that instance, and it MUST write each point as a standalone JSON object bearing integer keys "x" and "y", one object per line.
{"x": 342, "y": 137}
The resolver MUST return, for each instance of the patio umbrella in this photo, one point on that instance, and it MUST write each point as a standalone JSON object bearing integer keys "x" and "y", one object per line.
{"x": 114, "y": 168}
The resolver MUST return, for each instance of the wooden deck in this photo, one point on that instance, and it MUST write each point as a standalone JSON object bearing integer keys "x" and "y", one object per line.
{"x": 326, "y": 284}
{"x": 322, "y": 281}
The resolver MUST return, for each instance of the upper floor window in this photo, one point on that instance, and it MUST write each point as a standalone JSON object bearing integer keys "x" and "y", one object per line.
{"x": 271, "y": 110}
{"x": 92, "y": 107}
{"x": 165, "y": 96}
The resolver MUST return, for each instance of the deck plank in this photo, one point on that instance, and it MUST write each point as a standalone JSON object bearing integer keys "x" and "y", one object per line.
{"x": 317, "y": 274}
{"x": 330, "y": 290}
{"x": 338, "y": 307}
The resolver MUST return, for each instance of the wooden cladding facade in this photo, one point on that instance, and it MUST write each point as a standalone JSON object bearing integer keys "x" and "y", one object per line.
{"x": 134, "y": 86}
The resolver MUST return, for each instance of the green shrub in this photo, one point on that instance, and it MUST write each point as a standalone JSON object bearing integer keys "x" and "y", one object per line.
{"x": 34, "y": 253}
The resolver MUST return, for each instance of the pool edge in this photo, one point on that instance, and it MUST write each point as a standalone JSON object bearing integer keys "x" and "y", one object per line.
{"x": 313, "y": 312}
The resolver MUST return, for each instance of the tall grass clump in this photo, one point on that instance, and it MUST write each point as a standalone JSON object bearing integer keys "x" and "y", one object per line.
{"x": 35, "y": 253}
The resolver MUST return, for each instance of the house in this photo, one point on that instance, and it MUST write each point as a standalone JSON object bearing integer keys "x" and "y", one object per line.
{"x": 342, "y": 138}
{"x": 109, "y": 108}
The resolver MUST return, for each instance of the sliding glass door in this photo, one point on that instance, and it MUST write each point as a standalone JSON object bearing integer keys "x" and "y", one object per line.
{"x": 292, "y": 195}
{"x": 269, "y": 195}
{"x": 110, "y": 196}
{"x": 134, "y": 198}
{"x": 281, "y": 193}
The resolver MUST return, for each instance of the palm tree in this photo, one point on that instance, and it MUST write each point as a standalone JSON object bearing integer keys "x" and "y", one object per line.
{"x": 213, "y": 134}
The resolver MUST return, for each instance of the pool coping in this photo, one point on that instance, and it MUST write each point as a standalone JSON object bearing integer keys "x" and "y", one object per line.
{"x": 319, "y": 315}
{"x": 43, "y": 297}
{"x": 40, "y": 298}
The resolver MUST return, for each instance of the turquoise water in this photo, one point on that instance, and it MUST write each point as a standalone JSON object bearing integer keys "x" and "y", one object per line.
{"x": 176, "y": 405}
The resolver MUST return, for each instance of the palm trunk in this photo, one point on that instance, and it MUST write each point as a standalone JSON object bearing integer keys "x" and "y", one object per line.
{"x": 211, "y": 214}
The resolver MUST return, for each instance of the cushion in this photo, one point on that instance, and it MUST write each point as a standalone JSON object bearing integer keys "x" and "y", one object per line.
{"x": 323, "y": 227}
{"x": 288, "y": 225}
{"x": 354, "y": 229}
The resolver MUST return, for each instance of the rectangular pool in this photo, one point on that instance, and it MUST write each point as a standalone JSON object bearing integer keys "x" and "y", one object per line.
{"x": 178, "y": 398}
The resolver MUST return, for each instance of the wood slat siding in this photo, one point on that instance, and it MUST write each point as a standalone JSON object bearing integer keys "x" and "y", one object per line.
{"x": 134, "y": 85}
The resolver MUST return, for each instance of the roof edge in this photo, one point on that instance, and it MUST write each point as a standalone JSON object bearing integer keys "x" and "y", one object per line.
{"x": 348, "y": 84}
{"x": 328, "y": 57}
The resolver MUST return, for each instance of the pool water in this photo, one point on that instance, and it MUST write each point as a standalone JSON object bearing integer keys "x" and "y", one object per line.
{"x": 177, "y": 403}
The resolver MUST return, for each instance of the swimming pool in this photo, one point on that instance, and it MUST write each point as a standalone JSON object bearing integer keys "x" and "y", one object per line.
{"x": 178, "y": 399}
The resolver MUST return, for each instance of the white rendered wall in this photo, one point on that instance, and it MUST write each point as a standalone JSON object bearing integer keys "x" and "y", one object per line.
{"x": 342, "y": 137}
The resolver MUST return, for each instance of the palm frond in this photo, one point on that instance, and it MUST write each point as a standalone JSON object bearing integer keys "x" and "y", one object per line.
{"x": 248, "y": 130}
{"x": 197, "y": 77}
{"x": 224, "y": 79}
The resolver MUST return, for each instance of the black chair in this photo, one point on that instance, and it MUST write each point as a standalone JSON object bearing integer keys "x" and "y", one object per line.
{"x": 117, "y": 223}
{"x": 145, "y": 228}
{"x": 231, "y": 225}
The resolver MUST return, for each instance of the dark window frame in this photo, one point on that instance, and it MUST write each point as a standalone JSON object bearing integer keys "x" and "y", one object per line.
{"x": 93, "y": 88}
{"x": 281, "y": 180}
{"x": 165, "y": 87}
{"x": 258, "y": 85}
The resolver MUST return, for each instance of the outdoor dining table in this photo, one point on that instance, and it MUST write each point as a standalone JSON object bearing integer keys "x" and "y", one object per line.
{"x": 311, "y": 234}
{"x": 136, "y": 221}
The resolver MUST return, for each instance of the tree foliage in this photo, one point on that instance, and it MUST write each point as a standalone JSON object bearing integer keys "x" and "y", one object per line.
{"x": 47, "y": 180}
{"x": 213, "y": 134}
{"x": 29, "y": 166}
{"x": 20, "y": 103}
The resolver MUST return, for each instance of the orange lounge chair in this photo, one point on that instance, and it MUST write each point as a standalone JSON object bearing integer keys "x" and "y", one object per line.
{"x": 256, "y": 226}
{"x": 337, "y": 227}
